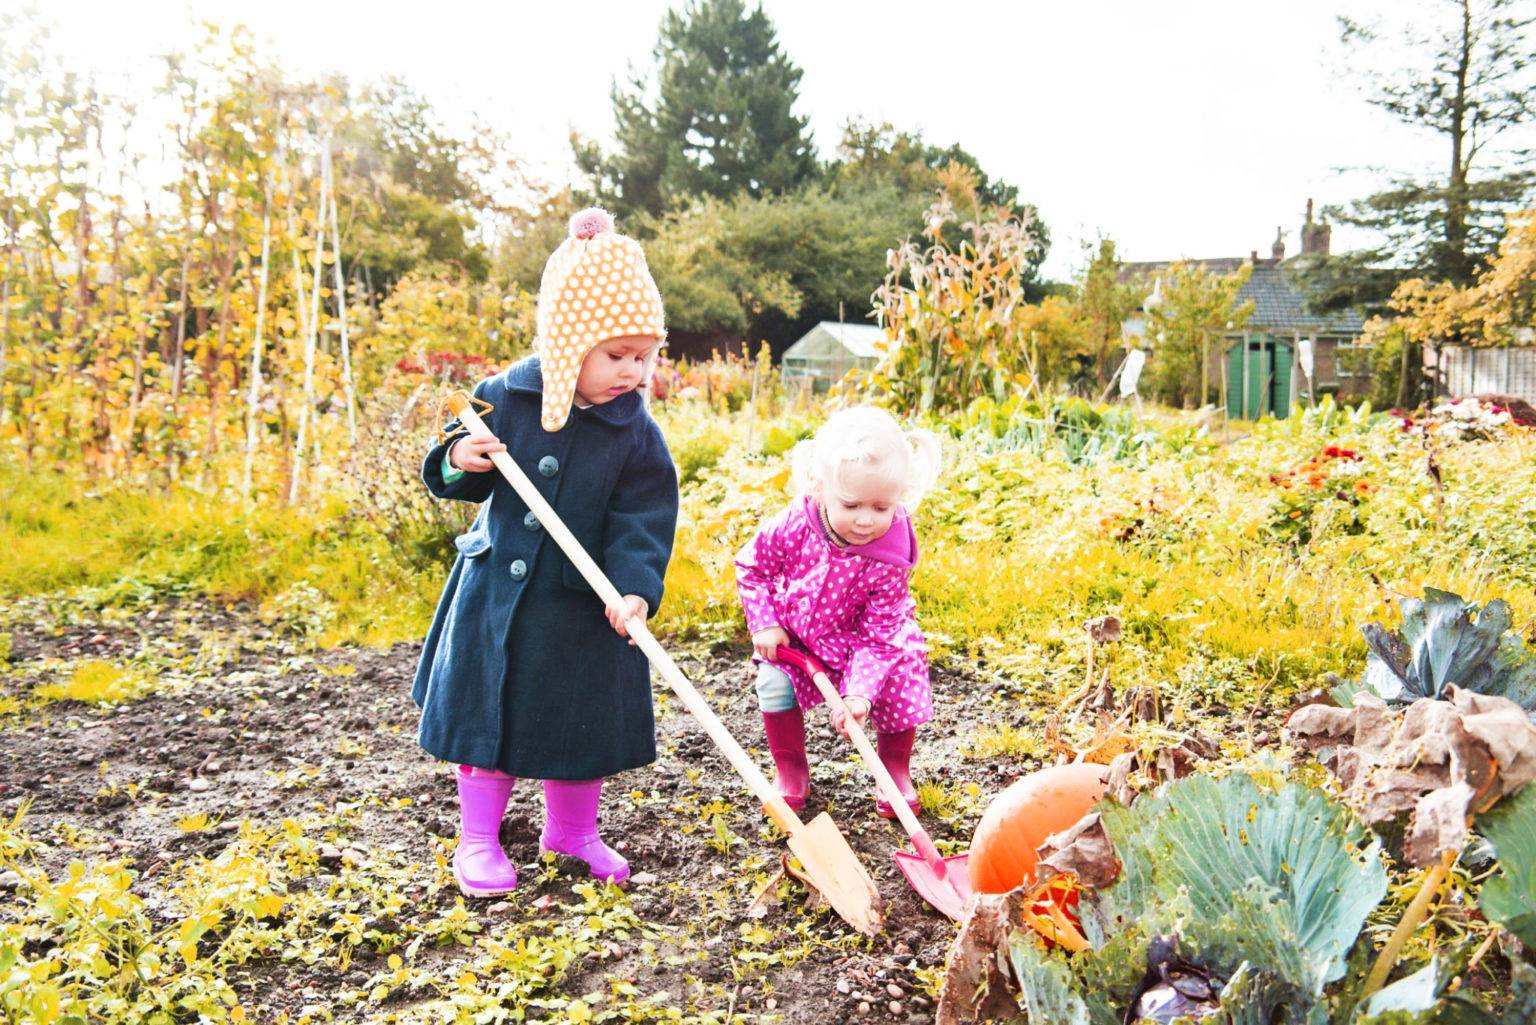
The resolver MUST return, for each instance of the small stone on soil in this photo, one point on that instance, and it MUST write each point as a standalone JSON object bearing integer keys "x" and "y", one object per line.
{"x": 895, "y": 991}
{"x": 199, "y": 785}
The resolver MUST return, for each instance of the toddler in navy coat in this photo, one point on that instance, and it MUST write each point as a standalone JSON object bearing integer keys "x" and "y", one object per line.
{"x": 524, "y": 672}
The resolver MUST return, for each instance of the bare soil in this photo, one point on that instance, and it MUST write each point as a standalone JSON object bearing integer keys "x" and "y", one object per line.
{"x": 252, "y": 727}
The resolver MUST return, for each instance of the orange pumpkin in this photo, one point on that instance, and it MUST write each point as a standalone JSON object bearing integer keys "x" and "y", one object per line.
{"x": 1020, "y": 818}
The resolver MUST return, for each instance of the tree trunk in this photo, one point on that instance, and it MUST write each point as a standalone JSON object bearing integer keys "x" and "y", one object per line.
{"x": 181, "y": 306}
{"x": 1405, "y": 391}
{"x": 136, "y": 395}
{"x": 1456, "y": 194}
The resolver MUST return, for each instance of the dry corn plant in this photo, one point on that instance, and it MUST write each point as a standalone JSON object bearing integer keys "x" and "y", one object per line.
{"x": 950, "y": 310}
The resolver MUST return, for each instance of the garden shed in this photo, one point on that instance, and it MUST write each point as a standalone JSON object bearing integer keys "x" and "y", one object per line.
{"x": 1285, "y": 350}
{"x": 1265, "y": 371}
{"x": 826, "y": 352}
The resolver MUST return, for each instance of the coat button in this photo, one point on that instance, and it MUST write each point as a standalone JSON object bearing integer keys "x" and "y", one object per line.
{"x": 549, "y": 466}
{"x": 518, "y": 569}
{"x": 531, "y": 521}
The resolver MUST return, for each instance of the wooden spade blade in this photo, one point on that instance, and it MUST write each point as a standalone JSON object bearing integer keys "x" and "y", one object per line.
{"x": 836, "y": 871}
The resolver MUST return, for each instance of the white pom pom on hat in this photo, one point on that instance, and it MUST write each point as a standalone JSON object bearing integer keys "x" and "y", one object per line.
{"x": 591, "y": 222}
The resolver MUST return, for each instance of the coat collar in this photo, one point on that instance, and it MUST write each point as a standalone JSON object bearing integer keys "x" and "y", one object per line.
{"x": 526, "y": 376}
{"x": 897, "y": 546}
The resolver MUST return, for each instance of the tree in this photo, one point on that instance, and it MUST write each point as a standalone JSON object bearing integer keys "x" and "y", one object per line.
{"x": 1499, "y": 309}
{"x": 879, "y": 157}
{"x": 761, "y": 267}
{"x": 722, "y": 121}
{"x": 411, "y": 194}
{"x": 1055, "y": 337}
{"x": 870, "y": 152}
{"x": 1104, "y": 302}
{"x": 1469, "y": 80}
{"x": 1194, "y": 312}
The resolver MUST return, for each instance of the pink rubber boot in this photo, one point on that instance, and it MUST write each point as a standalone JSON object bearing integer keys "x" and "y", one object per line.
{"x": 895, "y": 750}
{"x": 786, "y": 742}
{"x": 480, "y": 866}
{"x": 570, "y": 827}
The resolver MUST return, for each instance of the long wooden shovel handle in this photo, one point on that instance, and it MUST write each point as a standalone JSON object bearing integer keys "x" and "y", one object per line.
{"x": 812, "y": 667}
{"x": 781, "y": 814}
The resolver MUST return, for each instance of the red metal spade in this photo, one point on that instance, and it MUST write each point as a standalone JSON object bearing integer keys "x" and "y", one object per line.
{"x": 943, "y": 882}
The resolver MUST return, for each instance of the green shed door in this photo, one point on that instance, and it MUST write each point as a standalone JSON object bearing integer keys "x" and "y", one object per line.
{"x": 1235, "y": 390}
{"x": 1256, "y": 378}
{"x": 1280, "y": 389}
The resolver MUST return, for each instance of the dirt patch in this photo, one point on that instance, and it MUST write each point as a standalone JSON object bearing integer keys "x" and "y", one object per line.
{"x": 250, "y": 727}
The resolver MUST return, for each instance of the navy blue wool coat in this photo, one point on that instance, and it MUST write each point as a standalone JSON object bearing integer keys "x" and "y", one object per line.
{"x": 521, "y": 671}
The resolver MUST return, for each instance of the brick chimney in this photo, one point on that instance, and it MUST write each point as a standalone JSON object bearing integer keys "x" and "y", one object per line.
{"x": 1315, "y": 235}
{"x": 1277, "y": 250}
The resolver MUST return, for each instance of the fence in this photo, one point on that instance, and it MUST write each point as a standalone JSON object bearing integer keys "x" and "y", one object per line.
{"x": 1467, "y": 371}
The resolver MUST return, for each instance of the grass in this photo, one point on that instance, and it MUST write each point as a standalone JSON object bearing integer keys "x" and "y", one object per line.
{"x": 98, "y": 683}
{"x": 1183, "y": 542}
{"x": 122, "y": 546}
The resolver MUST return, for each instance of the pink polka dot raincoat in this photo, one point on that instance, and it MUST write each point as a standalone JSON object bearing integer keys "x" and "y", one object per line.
{"x": 850, "y": 607}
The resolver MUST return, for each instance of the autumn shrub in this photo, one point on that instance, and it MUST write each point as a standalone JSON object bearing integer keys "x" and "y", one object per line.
{"x": 727, "y": 381}
{"x": 437, "y": 318}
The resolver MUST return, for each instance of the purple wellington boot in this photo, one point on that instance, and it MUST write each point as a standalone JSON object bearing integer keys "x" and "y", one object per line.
{"x": 570, "y": 827}
{"x": 895, "y": 751}
{"x": 480, "y": 866}
{"x": 786, "y": 742}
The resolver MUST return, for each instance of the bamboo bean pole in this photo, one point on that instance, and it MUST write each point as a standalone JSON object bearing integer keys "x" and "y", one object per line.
{"x": 253, "y": 398}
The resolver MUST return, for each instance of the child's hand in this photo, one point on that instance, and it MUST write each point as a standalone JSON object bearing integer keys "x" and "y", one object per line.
{"x": 472, "y": 454}
{"x": 858, "y": 711}
{"x": 765, "y": 643}
{"x": 634, "y": 605}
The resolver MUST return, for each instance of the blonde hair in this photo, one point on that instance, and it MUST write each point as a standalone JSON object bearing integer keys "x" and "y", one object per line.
{"x": 870, "y": 438}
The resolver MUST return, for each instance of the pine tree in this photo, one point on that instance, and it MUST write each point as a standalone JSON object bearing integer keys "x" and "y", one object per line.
{"x": 722, "y": 121}
{"x": 1470, "y": 81}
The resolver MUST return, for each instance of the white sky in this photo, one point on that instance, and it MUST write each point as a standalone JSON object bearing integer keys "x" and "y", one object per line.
{"x": 1188, "y": 128}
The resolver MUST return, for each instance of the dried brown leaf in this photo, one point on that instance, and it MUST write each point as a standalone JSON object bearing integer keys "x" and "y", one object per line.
{"x": 1439, "y": 824}
{"x": 1505, "y": 728}
{"x": 1437, "y": 761}
{"x": 977, "y": 982}
{"x": 1084, "y": 850}
{"x": 1134, "y": 771}
{"x": 1104, "y": 630}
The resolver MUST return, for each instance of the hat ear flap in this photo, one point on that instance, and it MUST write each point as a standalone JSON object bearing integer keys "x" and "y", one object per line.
{"x": 560, "y": 370}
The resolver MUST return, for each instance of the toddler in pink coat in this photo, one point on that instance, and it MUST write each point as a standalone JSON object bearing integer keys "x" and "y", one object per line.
{"x": 830, "y": 574}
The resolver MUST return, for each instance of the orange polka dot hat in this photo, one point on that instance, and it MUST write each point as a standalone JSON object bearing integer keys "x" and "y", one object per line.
{"x": 596, "y": 286}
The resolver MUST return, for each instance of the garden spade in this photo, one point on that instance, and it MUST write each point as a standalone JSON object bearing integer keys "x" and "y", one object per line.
{"x": 830, "y": 863}
{"x": 943, "y": 882}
